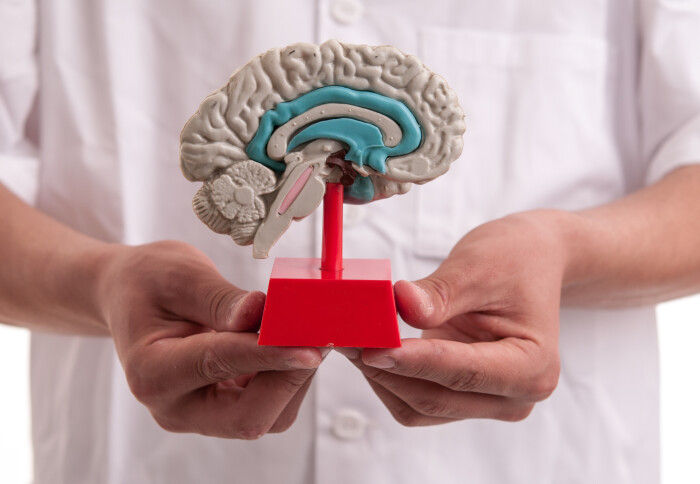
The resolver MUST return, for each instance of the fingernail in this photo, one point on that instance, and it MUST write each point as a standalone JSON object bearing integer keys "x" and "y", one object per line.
{"x": 383, "y": 362}
{"x": 324, "y": 351}
{"x": 349, "y": 353}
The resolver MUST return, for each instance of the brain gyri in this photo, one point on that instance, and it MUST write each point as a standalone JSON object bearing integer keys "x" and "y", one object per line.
{"x": 261, "y": 144}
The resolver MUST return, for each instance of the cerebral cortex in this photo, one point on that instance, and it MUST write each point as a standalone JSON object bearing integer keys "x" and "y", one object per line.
{"x": 261, "y": 142}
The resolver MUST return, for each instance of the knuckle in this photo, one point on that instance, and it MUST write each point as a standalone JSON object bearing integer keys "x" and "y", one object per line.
{"x": 169, "y": 424}
{"x": 291, "y": 381}
{"x": 213, "y": 368}
{"x": 172, "y": 248}
{"x": 425, "y": 368}
{"x": 432, "y": 407}
{"x": 282, "y": 424}
{"x": 165, "y": 246}
{"x": 467, "y": 380}
{"x": 250, "y": 431}
{"x": 140, "y": 385}
{"x": 406, "y": 416}
{"x": 442, "y": 289}
{"x": 515, "y": 413}
{"x": 142, "y": 391}
{"x": 545, "y": 386}
{"x": 545, "y": 383}
{"x": 220, "y": 304}
{"x": 379, "y": 376}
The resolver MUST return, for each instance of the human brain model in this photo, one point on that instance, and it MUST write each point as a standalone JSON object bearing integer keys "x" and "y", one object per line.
{"x": 296, "y": 118}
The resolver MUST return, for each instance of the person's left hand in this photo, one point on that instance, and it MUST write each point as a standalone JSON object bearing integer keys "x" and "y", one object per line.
{"x": 490, "y": 315}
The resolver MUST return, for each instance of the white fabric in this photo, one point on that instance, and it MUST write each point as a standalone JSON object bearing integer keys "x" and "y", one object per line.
{"x": 569, "y": 104}
{"x": 18, "y": 84}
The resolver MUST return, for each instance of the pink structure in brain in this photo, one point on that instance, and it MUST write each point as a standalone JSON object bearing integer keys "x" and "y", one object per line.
{"x": 267, "y": 142}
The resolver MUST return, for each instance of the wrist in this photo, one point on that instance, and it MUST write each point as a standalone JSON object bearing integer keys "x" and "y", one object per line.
{"x": 564, "y": 234}
{"x": 94, "y": 272}
{"x": 581, "y": 243}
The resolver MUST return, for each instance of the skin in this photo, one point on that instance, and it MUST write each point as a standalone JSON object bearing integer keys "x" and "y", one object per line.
{"x": 489, "y": 313}
{"x": 184, "y": 335}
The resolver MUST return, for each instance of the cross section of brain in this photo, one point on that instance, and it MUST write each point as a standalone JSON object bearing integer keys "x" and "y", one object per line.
{"x": 295, "y": 118}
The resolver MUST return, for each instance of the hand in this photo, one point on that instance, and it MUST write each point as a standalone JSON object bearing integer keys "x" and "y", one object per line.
{"x": 489, "y": 348}
{"x": 188, "y": 344}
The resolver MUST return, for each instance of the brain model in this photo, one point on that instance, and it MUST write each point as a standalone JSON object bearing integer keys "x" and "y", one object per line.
{"x": 293, "y": 119}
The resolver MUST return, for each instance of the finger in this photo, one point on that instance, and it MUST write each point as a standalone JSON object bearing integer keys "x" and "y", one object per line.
{"x": 174, "y": 366}
{"x": 241, "y": 381}
{"x": 509, "y": 367}
{"x": 445, "y": 293}
{"x": 199, "y": 411}
{"x": 232, "y": 412}
{"x": 210, "y": 300}
{"x": 290, "y": 412}
{"x": 427, "y": 399}
{"x": 401, "y": 411}
{"x": 266, "y": 398}
{"x": 429, "y": 302}
{"x": 415, "y": 305}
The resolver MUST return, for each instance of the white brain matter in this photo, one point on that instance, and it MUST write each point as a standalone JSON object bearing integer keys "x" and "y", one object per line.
{"x": 261, "y": 143}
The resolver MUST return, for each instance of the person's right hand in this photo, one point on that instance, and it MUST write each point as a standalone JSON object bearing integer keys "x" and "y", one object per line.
{"x": 187, "y": 341}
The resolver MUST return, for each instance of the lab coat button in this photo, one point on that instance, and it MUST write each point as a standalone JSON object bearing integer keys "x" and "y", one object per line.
{"x": 349, "y": 424}
{"x": 347, "y": 12}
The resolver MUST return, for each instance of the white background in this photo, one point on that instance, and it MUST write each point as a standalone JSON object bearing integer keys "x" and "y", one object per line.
{"x": 679, "y": 334}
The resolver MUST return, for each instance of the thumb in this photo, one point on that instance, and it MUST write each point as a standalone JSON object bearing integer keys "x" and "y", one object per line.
{"x": 219, "y": 305}
{"x": 429, "y": 302}
{"x": 421, "y": 304}
{"x": 237, "y": 310}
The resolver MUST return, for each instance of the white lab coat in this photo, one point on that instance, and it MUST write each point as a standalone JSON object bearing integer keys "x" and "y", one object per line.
{"x": 569, "y": 104}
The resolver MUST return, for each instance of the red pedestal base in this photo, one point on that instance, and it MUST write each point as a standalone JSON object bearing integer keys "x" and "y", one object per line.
{"x": 309, "y": 307}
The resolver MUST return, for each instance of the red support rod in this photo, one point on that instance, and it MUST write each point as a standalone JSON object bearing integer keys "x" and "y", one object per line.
{"x": 332, "y": 250}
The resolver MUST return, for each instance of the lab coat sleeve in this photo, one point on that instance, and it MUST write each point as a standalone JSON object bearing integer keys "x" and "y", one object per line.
{"x": 669, "y": 86}
{"x": 19, "y": 163}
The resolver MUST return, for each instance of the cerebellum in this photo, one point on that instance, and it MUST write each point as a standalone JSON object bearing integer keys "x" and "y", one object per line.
{"x": 398, "y": 123}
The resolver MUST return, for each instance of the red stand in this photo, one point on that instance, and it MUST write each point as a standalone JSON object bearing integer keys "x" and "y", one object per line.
{"x": 332, "y": 245}
{"x": 330, "y": 301}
